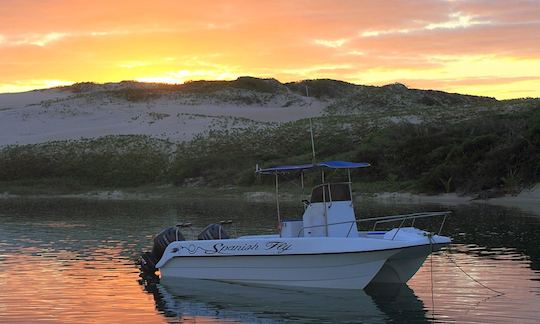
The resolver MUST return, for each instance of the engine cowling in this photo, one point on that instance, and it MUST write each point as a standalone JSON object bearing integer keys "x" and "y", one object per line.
{"x": 148, "y": 260}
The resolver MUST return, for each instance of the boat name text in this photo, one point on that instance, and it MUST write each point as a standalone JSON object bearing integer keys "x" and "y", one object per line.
{"x": 277, "y": 246}
{"x": 224, "y": 248}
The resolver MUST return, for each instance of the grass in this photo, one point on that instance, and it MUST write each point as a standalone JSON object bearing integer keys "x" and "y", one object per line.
{"x": 48, "y": 186}
{"x": 289, "y": 192}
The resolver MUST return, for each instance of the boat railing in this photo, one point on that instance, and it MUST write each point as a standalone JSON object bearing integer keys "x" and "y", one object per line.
{"x": 387, "y": 219}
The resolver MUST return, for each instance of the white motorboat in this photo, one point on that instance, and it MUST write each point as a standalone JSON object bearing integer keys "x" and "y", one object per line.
{"x": 323, "y": 249}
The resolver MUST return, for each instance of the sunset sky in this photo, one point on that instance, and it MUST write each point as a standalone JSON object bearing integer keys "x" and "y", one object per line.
{"x": 487, "y": 48}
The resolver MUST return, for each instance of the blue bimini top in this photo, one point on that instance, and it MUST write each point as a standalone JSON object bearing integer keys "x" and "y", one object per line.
{"x": 326, "y": 164}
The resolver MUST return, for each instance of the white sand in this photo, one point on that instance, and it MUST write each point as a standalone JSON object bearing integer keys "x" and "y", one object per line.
{"x": 14, "y": 100}
{"x": 528, "y": 200}
{"x": 409, "y": 198}
{"x": 41, "y": 116}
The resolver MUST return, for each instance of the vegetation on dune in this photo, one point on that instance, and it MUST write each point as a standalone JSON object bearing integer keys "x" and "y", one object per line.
{"x": 396, "y": 97}
{"x": 140, "y": 91}
{"x": 499, "y": 152}
{"x": 323, "y": 88}
{"x": 344, "y": 97}
{"x": 495, "y": 151}
{"x": 107, "y": 161}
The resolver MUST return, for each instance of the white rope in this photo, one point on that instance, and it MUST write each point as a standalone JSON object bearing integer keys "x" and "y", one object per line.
{"x": 430, "y": 237}
{"x": 500, "y": 293}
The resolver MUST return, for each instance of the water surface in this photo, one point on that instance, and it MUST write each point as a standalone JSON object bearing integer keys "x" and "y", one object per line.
{"x": 72, "y": 261}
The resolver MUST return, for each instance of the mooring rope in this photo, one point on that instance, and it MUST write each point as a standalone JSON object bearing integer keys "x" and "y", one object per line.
{"x": 430, "y": 236}
{"x": 500, "y": 293}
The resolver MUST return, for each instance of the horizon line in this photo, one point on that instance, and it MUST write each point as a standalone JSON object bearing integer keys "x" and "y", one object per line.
{"x": 67, "y": 85}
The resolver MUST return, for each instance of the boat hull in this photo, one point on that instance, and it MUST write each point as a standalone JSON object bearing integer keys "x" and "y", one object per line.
{"x": 330, "y": 270}
{"x": 316, "y": 262}
{"x": 402, "y": 266}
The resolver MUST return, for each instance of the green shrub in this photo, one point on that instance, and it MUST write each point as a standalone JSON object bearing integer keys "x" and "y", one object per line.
{"x": 492, "y": 151}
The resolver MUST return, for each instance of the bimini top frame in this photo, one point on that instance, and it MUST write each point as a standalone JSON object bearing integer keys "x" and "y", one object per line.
{"x": 281, "y": 169}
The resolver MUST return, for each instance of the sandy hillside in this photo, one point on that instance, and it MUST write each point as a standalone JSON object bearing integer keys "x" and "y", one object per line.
{"x": 60, "y": 114}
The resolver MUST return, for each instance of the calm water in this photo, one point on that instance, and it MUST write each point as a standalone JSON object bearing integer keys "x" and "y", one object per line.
{"x": 73, "y": 261}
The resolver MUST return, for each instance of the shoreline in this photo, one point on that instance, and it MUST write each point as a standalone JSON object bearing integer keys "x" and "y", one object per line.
{"x": 527, "y": 200}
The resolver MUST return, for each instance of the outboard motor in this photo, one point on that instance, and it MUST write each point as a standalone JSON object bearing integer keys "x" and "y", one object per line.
{"x": 213, "y": 232}
{"x": 148, "y": 260}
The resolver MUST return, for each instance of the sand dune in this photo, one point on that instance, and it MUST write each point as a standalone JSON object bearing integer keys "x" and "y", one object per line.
{"x": 60, "y": 114}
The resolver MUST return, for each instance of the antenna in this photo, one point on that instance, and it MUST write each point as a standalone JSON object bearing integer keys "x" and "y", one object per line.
{"x": 312, "y": 140}
{"x": 307, "y": 95}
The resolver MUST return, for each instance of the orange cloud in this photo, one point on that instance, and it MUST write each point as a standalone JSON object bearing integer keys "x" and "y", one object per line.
{"x": 357, "y": 41}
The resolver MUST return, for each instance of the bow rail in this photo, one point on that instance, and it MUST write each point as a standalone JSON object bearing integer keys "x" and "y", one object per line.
{"x": 387, "y": 219}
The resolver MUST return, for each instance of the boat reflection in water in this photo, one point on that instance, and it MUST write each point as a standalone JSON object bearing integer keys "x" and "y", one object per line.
{"x": 185, "y": 299}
